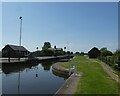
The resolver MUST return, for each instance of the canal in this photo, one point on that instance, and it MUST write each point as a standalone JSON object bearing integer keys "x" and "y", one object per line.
{"x": 35, "y": 78}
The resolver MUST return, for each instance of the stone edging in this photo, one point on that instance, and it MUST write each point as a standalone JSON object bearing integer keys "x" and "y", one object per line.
{"x": 70, "y": 85}
{"x": 60, "y": 69}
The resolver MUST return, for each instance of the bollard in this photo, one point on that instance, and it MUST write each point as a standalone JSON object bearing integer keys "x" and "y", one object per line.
{"x": 75, "y": 70}
{"x": 9, "y": 59}
{"x": 69, "y": 68}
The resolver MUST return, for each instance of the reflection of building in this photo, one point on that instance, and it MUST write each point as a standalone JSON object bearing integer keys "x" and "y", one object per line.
{"x": 14, "y": 51}
{"x": 94, "y": 53}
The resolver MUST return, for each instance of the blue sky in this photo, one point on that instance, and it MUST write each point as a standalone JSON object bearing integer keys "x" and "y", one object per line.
{"x": 81, "y": 25}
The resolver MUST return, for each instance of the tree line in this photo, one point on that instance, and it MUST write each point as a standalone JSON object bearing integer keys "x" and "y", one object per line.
{"x": 112, "y": 59}
{"x": 47, "y": 50}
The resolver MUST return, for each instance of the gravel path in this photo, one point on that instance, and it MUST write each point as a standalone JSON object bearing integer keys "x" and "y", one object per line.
{"x": 109, "y": 70}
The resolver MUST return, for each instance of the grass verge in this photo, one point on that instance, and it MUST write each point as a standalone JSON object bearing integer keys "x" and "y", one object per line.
{"x": 94, "y": 80}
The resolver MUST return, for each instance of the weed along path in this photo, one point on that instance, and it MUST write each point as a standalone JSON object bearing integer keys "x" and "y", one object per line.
{"x": 94, "y": 79}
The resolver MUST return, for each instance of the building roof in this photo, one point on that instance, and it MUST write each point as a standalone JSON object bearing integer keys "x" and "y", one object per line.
{"x": 94, "y": 48}
{"x": 14, "y": 47}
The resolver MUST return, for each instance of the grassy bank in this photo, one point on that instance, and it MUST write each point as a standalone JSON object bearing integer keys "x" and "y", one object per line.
{"x": 94, "y": 80}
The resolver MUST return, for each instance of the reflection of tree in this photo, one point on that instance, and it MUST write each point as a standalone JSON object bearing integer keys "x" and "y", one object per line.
{"x": 13, "y": 68}
{"x": 16, "y": 67}
{"x": 47, "y": 64}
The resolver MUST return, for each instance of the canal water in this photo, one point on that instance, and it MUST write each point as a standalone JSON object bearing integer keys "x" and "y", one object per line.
{"x": 35, "y": 78}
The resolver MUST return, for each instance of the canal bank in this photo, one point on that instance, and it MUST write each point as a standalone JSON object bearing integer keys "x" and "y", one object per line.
{"x": 31, "y": 60}
{"x": 70, "y": 85}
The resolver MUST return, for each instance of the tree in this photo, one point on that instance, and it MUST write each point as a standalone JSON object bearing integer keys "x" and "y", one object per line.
{"x": 35, "y": 54}
{"x": 77, "y": 53}
{"x": 105, "y": 52}
{"x": 47, "y": 52}
{"x": 46, "y": 45}
{"x": 37, "y": 48}
{"x": 64, "y": 47}
{"x": 102, "y": 49}
{"x": 68, "y": 52}
{"x": 82, "y": 53}
{"x": 55, "y": 47}
{"x": 117, "y": 55}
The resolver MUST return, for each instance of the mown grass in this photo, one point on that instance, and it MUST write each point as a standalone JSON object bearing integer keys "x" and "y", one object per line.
{"x": 94, "y": 79}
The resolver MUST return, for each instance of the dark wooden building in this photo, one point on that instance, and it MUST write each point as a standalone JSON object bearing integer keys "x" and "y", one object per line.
{"x": 94, "y": 53}
{"x": 0, "y": 54}
{"x": 14, "y": 51}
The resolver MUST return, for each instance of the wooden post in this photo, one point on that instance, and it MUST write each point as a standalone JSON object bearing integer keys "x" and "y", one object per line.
{"x": 75, "y": 70}
{"x": 9, "y": 59}
{"x": 19, "y": 55}
{"x": 69, "y": 68}
{"x": 8, "y": 55}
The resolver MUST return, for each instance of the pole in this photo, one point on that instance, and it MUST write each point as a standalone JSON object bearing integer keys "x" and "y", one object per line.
{"x": 19, "y": 55}
{"x": 20, "y": 29}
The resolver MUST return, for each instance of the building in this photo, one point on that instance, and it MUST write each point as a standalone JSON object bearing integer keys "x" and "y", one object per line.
{"x": 14, "y": 51}
{"x": 94, "y": 53}
{"x": 55, "y": 49}
{"x": 0, "y": 54}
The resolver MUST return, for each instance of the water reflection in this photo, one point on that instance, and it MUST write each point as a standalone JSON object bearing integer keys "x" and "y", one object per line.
{"x": 59, "y": 74}
{"x": 35, "y": 78}
{"x": 13, "y": 68}
{"x": 46, "y": 65}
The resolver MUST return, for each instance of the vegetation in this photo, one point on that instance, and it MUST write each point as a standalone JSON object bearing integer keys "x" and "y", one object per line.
{"x": 112, "y": 59}
{"x": 105, "y": 52}
{"x": 117, "y": 55}
{"x": 48, "y": 51}
{"x": 94, "y": 79}
{"x": 77, "y": 53}
{"x": 46, "y": 46}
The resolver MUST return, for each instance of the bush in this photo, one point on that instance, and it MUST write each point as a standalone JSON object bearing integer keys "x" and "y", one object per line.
{"x": 47, "y": 52}
{"x": 106, "y": 53}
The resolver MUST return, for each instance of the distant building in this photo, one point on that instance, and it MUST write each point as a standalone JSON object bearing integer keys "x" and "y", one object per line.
{"x": 14, "y": 51}
{"x": 94, "y": 53}
{"x": 55, "y": 49}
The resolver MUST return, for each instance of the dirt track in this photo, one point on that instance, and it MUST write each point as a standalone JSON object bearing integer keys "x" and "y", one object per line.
{"x": 109, "y": 71}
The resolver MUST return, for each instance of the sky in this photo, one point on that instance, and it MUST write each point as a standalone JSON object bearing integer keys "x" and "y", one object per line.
{"x": 79, "y": 26}
{"x": 60, "y": 0}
